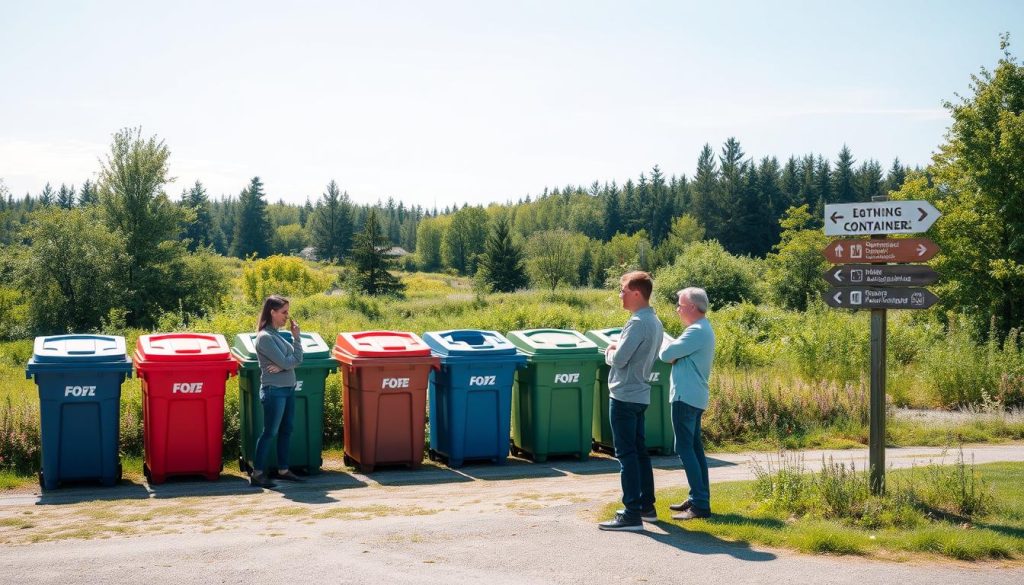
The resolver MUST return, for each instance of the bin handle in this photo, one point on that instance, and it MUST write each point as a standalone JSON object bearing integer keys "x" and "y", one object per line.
{"x": 565, "y": 344}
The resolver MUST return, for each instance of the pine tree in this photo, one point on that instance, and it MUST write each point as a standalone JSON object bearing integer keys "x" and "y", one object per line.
{"x": 65, "y": 197}
{"x": 896, "y": 177}
{"x": 252, "y": 229}
{"x": 46, "y": 197}
{"x": 88, "y": 195}
{"x": 790, "y": 184}
{"x": 868, "y": 180}
{"x": 502, "y": 264}
{"x": 612, "y": 213}
{"x": 843, "y": 190}
{"x": 201, "y": 231}
{"x": 659, "y": 208}
{"x": 371, "y": 262}
{"x": 705, "y": 199}
{"x": 331, "y": 224}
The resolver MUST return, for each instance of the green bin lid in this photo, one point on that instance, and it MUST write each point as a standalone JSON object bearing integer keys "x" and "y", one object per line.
{"x": 313, "y": 346}
{"x": 605, "y": 337}
{"x": 552, "y": 342}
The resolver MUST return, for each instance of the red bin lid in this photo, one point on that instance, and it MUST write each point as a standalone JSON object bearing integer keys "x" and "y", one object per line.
{"x": 383, "y": 344}
{"x": 182, "y": 347}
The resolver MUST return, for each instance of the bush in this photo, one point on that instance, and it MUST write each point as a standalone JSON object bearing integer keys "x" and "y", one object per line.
{"x": 727, "y": 279}
{"x": 283, "y": 275}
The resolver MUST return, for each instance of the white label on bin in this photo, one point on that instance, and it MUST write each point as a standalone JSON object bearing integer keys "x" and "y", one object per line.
{"x": 567, "y": 378}
{"x": 394, "y": 383}
{"x": 298, "y": 386}
{"x": 482, "y": 380}
{"x": 79, "y": 391}
{"x": 654, "y": 377}
{"x": 187, "y": 388}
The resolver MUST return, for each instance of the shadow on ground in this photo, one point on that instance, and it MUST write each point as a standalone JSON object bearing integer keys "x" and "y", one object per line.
{"x": 705, "y": 544}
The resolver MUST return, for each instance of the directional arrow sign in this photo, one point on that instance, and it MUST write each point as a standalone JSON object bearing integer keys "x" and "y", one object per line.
{"x": 880, "y": 298}
{"x": 875, "y": 275}
{"x": 879, "y": 217}
{"x": 903, "y": 250}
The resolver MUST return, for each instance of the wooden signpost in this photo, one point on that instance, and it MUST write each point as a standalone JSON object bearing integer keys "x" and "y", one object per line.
{"x": 864, "y": 280}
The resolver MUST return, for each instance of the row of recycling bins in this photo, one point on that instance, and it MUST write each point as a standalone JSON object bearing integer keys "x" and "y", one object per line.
{"x": 545, "y": 388}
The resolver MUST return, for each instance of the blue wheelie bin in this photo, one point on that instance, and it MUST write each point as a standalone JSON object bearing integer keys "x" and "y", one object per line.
{"x": 470, "y": 396}
{"x": 79, "y": 379}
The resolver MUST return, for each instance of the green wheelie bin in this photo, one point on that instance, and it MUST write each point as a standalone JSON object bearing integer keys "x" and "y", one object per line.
{"x": 305, "y": 453}
{"x": 657, "y": 419}
{"x": 553, "y": 396}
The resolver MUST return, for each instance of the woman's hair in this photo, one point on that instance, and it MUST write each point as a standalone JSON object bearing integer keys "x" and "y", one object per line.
{"x": 271, "y": 303}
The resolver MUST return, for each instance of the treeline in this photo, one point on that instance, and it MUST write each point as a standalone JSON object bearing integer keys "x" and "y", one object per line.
{"x": 241, "y": 225}
{"x": 736, "y": 200}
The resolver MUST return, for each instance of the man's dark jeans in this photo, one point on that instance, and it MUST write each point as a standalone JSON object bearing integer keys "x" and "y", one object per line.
{"x": 690, "y": 448}
{"x": 627, "y": 422}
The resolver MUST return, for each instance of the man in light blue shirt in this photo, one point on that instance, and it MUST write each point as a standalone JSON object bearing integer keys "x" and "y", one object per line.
{"x": 629, "y": 390}
{"x": 691, "y": 356}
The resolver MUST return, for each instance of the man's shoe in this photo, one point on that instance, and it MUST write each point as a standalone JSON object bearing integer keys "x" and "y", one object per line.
{"x": 288, "y": 475}
{"x": 681, "y": 507}
{"x": 619, "y": 523}
{"x": 259, "y": 479}
{"x": 647, "y": 515}
{"x": 692, "y": 514}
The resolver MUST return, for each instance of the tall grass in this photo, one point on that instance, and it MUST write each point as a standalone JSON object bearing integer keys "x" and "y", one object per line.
{"x": 781, "y": 378}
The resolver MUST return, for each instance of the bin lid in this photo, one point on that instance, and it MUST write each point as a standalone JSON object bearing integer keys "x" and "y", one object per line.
{"x": 553, "y": 342}
{"x": 79, "y": 349}
{"x": 605, "y": 337}
{"x": 182, "y": 347}
{"x": 468, "y": 342}
{"x": 384, "y": 344}
{"x": 313, "y": 346}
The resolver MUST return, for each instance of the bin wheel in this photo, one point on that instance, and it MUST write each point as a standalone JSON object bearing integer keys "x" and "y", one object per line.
{"x": 147, "y": 473}
{"x": 42, "y": 482}
{"x": 432, "y": 455}
{"x": 349, "y": 462}
{"x": 120, "y": 473}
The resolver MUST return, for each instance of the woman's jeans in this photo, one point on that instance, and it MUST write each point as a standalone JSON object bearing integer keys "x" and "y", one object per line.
{"x": 278, "y": 419}
{"x": 690, "y": 448}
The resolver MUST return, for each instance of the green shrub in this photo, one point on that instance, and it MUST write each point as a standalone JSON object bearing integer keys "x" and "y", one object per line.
{"x": 727, "y": 279}
{"x": 284, "y": 275}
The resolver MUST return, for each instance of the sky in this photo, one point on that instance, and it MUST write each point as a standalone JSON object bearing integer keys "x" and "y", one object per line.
{"x": 445, "y": 102}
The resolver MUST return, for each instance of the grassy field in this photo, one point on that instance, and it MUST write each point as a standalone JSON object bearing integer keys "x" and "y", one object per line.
{"x": 782, "y": 379}
{"x": 910, "y": 522}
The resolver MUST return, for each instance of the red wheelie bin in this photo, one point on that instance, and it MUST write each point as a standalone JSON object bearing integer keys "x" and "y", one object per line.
{"x": 183, "y": 377}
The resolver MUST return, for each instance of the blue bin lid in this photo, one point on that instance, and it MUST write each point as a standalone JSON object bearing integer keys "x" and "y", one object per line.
{"x": 468, "y": 342}
{"x": 79, "y": 349}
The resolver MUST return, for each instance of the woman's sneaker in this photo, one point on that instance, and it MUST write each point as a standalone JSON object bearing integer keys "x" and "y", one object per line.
{"x": 620, "y": 523}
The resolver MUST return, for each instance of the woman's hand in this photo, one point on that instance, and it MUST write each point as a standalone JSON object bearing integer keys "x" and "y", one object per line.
{"x": 295, "y": 328}
{"x": 273, "y": 369}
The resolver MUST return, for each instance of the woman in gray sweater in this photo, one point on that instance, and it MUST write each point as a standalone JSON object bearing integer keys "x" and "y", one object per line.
{"x": 278, "y": 359}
